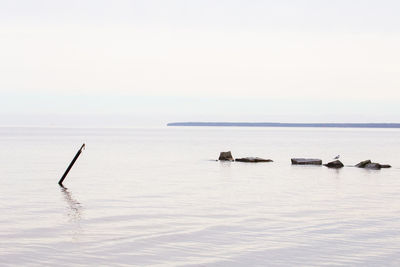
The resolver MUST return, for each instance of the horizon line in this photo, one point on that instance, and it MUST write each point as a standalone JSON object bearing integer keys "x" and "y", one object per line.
{"x": 286, "y": 124}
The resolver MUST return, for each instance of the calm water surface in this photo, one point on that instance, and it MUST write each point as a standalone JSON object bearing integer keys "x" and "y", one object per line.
{"x": 154, "y": 197}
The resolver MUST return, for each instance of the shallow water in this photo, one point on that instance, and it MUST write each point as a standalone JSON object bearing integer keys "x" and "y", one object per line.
{"x": 156, "y": 197}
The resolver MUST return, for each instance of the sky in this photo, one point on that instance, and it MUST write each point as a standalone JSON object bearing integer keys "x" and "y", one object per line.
{"x": 147, "y": 63}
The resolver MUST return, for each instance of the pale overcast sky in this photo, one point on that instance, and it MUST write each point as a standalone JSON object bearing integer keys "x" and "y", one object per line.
{"x": 132, "y": 63}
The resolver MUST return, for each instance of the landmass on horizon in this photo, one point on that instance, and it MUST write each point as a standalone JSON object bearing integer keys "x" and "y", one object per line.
{"x": 278, "y": 124}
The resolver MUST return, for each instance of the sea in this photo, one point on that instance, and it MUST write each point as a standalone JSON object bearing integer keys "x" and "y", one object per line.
{"x": 159, "y": 197}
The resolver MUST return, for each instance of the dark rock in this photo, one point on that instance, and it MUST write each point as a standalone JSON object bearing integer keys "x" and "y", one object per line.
{"x": 253, "y": 159}
{"x": 334, "y": 164}
{"x": 225, "y": 156}
{"x": 297, "y": 161}
{"x": 385, "y": 166}
{"x": 363, "y": 163}
{"x": 367, "y": 164}
{"x": 373, "y": 166}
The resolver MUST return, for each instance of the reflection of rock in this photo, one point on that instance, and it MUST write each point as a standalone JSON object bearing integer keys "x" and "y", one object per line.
{"x": 297, "y": 161}
{"x": 225, "y": 156}
{"x": 253, "y": 159}
{"x": 363, "y": 163}
{"x": 367, "y": 164}
{"x": 334, "y": 164}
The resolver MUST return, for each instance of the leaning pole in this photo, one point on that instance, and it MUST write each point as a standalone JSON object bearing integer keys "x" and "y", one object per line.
{"x": 70, "y": 165}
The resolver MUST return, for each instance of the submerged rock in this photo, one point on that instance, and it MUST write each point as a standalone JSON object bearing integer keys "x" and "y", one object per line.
{"x": 253, "y": 159}
{"x": 301, "y": 161}
{"x": 334, "y": 164}
{"x": 362, "y": 164}
{"x": 225, "y": 156}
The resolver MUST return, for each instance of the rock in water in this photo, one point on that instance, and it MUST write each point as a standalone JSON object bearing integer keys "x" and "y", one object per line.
{"x": 334, "y": 164}
{"x": 367, "y": 164}
{"x": 373, "y": 166}
{"x": 385, "y": 166}
{"x": 253, "y": 159}
{"x": 363, "y": 163}
{"x": 225, "y": 156}
{"x": 298, "y": 161}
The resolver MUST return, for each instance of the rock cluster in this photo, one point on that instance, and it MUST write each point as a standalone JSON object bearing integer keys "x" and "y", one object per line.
{"x": 367, "y": 164}
{"x": 336, "y": 164}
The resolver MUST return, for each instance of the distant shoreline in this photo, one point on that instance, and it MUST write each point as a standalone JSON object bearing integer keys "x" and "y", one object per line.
{"x": 287, "y": 125}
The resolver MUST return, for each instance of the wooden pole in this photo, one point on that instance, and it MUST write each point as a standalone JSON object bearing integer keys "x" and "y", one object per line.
{"x": 70, "y": 165}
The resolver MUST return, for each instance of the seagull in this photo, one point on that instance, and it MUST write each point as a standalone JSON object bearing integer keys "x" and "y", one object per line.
{"x": 337, "y": 157}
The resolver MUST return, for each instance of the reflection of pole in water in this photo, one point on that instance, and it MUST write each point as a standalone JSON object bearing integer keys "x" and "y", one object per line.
{"x": 74, "y": 212}
{"x": 73, "y": 205}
